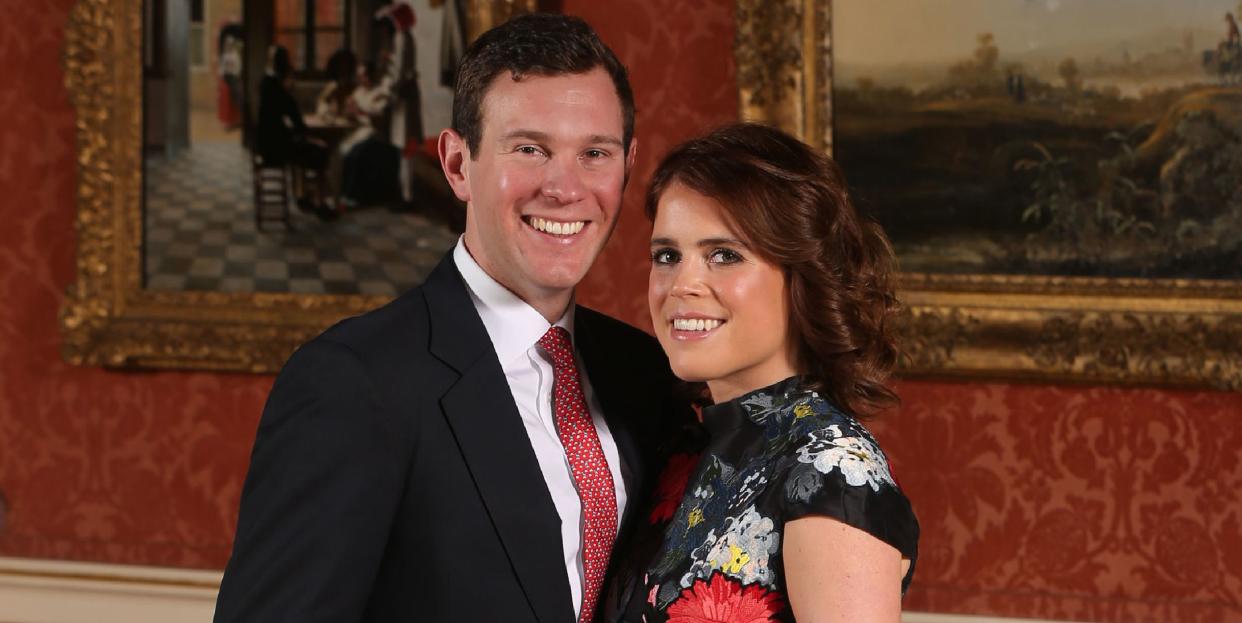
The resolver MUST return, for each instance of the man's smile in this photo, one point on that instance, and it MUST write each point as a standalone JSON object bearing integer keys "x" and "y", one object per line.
{"x": 554, "y": 228}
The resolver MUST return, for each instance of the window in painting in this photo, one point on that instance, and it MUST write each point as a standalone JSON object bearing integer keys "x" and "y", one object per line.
{"x": 311, "y": 30}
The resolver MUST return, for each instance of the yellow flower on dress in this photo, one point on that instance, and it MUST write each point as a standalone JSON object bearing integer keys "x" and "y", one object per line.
{"x": 738, "y": 559}
{"x": 696, "y": 517}
{"x": 802, "y": 410}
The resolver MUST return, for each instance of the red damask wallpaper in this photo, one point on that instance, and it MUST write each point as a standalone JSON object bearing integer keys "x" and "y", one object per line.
{"x": 1094, "y": 504}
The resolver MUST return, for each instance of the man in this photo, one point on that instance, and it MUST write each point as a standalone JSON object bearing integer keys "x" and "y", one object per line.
{"x": 475, "y": 450}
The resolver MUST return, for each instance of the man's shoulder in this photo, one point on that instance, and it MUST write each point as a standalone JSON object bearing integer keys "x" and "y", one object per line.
{"x": 404, "y": 322}
{"x": 627, "y": 350}
{"x": 386, "y": 335}
{"x": 616, "y": 333}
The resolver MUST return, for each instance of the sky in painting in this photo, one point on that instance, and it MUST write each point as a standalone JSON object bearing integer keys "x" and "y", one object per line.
{"x": 879, "y": 33}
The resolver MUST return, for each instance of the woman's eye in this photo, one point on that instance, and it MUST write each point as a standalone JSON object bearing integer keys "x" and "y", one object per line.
{"x": 665, "y": 256}
{"x": 724, "y": 256}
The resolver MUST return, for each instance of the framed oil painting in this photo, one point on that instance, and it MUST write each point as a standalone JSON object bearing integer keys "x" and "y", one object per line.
{"x": 1061, "y": 181}
{"x": 289, "y": 145}
{"x": 251, "y": 171}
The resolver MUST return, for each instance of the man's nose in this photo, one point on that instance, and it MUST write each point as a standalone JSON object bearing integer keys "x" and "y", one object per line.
{"x": 564, "y": 180}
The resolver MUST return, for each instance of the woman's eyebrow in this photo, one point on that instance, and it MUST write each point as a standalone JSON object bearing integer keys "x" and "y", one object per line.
{"x": 667, "y": 242}
{"x": 715, "y": 242}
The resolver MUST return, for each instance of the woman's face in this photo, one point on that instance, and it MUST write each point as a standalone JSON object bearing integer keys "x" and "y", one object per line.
{"x": 720, "y": 311}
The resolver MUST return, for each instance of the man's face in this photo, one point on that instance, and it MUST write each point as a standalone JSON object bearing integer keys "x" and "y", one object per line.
{"x": 544, "y": 188}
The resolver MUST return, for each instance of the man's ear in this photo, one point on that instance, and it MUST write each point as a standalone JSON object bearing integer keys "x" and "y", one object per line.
{"x": 455, "y": 162}
{"x": 631, "y": 156}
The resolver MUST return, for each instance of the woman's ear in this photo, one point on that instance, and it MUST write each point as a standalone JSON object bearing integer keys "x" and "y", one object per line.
{"x": 455, "y": 162}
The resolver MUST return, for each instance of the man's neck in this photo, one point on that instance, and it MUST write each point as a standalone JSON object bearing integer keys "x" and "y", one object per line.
{"x": 551, "y": 307}
{"x": 551, "y": 304}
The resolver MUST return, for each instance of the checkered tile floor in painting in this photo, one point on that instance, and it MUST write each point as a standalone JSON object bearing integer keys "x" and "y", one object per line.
{"x": 200, "y": 235}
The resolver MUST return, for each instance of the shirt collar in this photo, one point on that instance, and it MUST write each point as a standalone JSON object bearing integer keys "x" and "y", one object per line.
{"x": 512, "y": 324}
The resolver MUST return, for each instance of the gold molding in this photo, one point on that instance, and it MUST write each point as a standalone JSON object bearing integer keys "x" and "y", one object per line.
{"x": 483, "y": 15}
{"x": 1097, "y": 330}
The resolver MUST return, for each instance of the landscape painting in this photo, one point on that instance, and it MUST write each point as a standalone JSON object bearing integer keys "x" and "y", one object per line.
{"x": 1045, "y": 137}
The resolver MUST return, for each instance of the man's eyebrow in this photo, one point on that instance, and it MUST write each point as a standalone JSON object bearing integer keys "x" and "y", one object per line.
{"x": 606, "y": 139}
{"x": 544, "y": 137}
{"x": 532, "y": 135}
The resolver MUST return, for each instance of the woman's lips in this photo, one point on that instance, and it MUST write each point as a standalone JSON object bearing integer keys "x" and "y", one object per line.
{"x": 686, "y": 328}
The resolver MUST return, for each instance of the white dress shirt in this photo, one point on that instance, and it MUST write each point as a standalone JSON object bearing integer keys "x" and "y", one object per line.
{"x": 515, "y": 328}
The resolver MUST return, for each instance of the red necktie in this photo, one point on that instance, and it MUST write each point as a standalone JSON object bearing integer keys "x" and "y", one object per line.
{"x": 586, "y": 460}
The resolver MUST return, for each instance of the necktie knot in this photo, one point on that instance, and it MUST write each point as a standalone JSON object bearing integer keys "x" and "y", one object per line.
{"x": 557, "y": 343}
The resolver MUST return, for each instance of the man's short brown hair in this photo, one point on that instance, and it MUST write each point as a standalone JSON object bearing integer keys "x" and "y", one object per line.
{"x": 538, "y": 44}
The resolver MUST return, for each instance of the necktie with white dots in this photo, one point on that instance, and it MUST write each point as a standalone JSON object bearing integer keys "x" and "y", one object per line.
{"x": 587, "y": 462}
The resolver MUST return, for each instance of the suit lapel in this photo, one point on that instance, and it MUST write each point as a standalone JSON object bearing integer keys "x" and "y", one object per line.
{"x": 620, "y": 403}
{"x": 479, "y": 409}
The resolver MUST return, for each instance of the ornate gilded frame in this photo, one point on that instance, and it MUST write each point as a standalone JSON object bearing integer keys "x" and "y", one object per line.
{"x": 107, "y": 317}
{"x": 1177, "y": 332}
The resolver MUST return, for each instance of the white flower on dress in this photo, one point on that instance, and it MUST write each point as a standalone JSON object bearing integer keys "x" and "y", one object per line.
{"x": 857, "y": 458}
{"x": 740, "y": 550}
{"x": 752, "y": 485}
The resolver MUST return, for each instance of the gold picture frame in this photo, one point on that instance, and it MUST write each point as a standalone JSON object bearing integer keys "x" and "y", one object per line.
{"x": 1039, "y": 328}
{"x": 108, "y": 318}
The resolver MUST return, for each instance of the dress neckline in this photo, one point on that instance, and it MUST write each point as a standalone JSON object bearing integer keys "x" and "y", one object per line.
{"x": 727, "y": 416}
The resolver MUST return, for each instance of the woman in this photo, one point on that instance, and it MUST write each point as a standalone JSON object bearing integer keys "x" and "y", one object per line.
{"x": 770, "y": 290}
{"x": 342, "y": 69}
{"x": 370, "y": 172}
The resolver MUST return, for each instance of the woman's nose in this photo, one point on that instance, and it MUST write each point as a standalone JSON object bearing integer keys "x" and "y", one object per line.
{"x": 687, "y": 281}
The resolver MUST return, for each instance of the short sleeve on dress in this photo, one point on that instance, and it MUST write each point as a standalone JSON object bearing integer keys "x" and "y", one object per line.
{"x": 838, "y": 470}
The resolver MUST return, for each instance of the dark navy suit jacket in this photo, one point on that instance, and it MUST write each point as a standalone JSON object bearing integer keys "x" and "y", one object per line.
{"x": 392, "y": 478}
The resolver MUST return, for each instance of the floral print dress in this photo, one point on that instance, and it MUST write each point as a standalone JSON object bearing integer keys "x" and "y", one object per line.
{"x": 770, "y": 457}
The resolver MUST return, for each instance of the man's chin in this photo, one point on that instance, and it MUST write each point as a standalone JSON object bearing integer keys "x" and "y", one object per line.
{"x": 560, "y": 282}
{"x": 560, "y": 275}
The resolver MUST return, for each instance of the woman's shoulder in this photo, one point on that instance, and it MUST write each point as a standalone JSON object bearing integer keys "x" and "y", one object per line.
{"x": 834, "y": 467}
{"x": 819, "y": 434}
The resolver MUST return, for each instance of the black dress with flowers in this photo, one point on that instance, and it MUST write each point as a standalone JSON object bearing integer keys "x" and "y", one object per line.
{"x": 769, "y": 457}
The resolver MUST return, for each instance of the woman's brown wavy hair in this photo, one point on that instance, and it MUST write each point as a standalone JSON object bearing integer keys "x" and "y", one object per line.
{"x": 789, "y": 202}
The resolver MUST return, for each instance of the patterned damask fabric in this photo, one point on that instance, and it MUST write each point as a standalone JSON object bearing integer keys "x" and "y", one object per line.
{"x": 1082, "y": 503}
{"x": 1086, "y": 504}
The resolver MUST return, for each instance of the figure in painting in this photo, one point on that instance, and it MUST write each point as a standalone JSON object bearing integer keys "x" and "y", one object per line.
{"x": 1226, "y": 60}
{"x": 280, "y": 138}
{"x": 371, "y": 161}
{"x": 342, "y": 70}
{"x": 401, "y": 74}
{"x": 229, "y": 90}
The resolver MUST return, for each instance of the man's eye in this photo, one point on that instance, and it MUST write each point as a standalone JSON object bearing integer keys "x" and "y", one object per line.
{"x": 595, "y": 154}
{"x": 724, "y": 256}
{"x": 530, "y": 150}
{"x": 665, "y": 256}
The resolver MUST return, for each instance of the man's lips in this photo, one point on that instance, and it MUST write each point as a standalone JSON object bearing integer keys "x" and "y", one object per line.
{"x": 554, "y": 228}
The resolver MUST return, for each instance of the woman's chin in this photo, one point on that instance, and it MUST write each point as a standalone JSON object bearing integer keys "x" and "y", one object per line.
{"x": 692, "y": 373}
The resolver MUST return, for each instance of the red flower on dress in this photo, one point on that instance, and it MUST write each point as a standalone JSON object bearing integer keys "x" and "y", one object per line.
{"x": 672, "y": 486}
{"x": 724, "y": 600}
